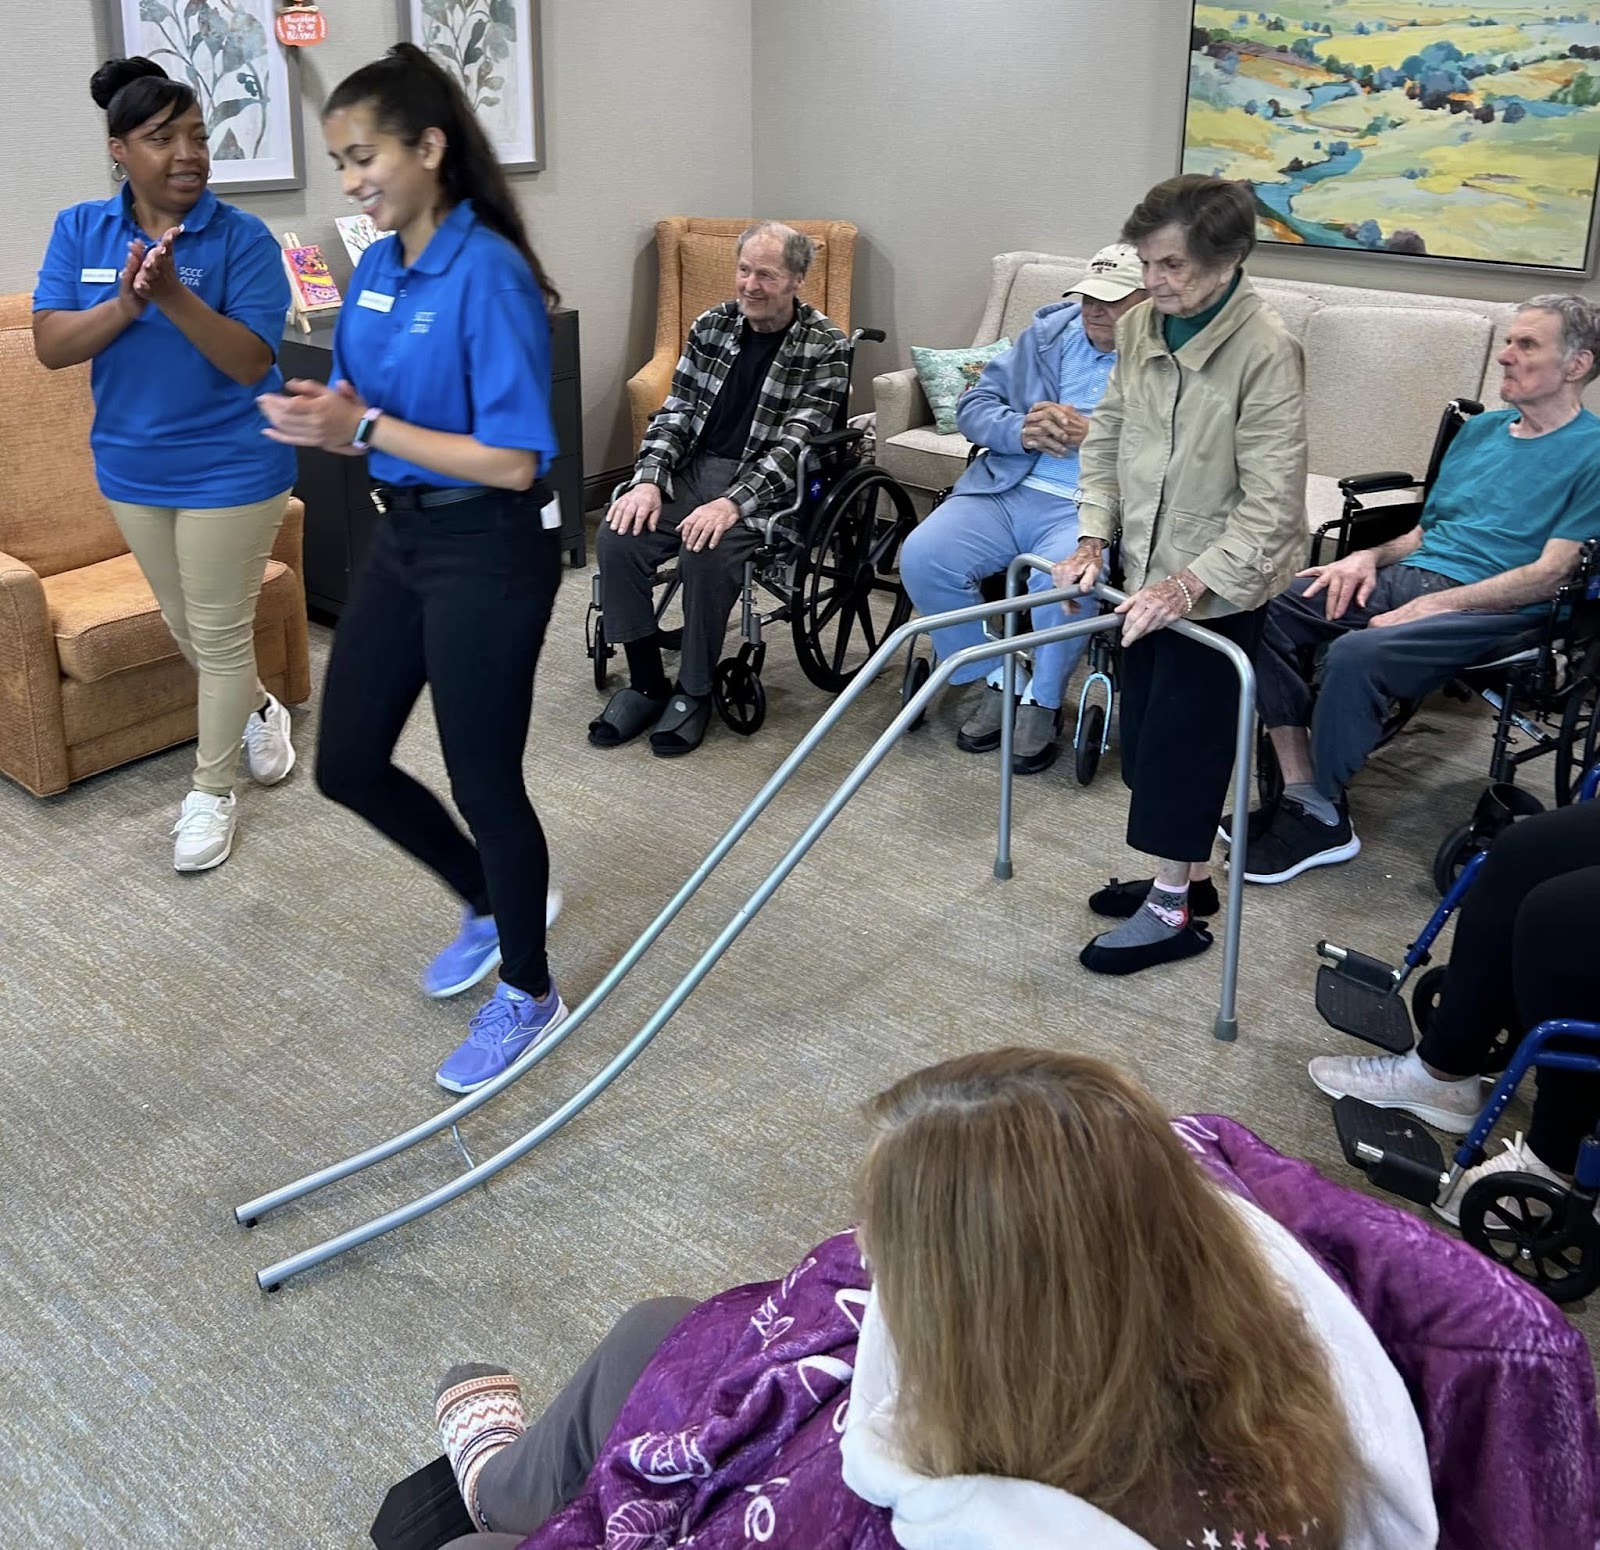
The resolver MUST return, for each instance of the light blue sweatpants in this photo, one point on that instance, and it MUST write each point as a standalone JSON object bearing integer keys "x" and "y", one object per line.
{"x": 969, "y": 537}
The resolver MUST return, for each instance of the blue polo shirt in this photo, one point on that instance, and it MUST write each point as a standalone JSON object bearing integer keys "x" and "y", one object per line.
{"x": 169, "y": 428}
{"x": 458, "y": 342}
{"x": 1085, "y": 371}
{"x": 1499, "y": 499}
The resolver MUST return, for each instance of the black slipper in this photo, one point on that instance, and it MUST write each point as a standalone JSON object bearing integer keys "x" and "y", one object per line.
{"x": 682, "y": 727}
{"x": 628, "y": 713}
{"x": 1188, "y": 943}
{"x": 1121, "y": 901}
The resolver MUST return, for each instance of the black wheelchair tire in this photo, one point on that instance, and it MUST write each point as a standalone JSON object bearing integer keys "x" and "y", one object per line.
{"x": 841, "y": 567}
{"x": 1451, "y": 856}
{"x": 1425, "y": 997}
{"x": 1086, "y": 751}
{"x": 600, "y": 653}
{"x": 1538, "y": 1244}
{"x": 739, "y": 696}
{"x": 1578, "y": 743}
{"x": 918, "y": 671}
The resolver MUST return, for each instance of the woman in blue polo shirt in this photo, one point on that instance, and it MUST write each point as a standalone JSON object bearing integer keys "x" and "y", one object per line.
{"x": 179, "y": 300}
{"x": 442, "y": 379}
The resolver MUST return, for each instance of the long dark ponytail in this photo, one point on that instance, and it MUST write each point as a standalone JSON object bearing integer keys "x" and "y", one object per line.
{"x": 410, "y": 93}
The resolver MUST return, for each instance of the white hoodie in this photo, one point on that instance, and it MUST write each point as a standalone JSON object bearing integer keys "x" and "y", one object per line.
{"x": 987, "y": 1512}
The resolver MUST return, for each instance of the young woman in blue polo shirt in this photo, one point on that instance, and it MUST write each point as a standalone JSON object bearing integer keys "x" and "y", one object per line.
{"x": 179, "y": 301}
{"x": 442, "y": 380}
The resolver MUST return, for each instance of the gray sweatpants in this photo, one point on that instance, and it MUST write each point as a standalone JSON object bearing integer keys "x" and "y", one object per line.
{"x": 1363, "y": 671}
{"x": 545, "y": 1468}
{"x": 712, "y": 578}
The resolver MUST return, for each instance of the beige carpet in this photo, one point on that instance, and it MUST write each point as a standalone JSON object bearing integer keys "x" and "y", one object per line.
{"x": 176, "y": 1045}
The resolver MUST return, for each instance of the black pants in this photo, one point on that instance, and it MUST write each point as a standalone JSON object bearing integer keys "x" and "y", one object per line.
{"x": 455, "y": 597}
{"x": 1180, "y": 712}
{"x": 1524, "y": 953}
{"x": 712, "y": 578}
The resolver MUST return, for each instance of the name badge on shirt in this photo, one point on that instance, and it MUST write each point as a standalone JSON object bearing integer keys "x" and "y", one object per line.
{"x": 97, "y": 276}
{"x": 375, "y": 301}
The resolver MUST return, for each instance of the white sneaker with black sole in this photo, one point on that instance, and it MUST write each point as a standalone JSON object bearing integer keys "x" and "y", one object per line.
{"x": 268, "y": 751}
{"x": 204, "y": 832}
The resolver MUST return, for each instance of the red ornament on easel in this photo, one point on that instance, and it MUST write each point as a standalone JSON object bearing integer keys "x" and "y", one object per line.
{"x": 300, "y": 24}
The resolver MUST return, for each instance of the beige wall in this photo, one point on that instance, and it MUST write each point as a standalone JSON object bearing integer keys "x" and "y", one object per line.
{"x": 613, "y": 171}
{"x": 951, "y": 130}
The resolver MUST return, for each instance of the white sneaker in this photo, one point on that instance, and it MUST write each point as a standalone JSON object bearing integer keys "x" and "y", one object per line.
{"x": 205, "y": 832}
{"x": 267, "y": 748}
{"x": 1515, "y": 1159}
{"x": 1399, "y": 1082}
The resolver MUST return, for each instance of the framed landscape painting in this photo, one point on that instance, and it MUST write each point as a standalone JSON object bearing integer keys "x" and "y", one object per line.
{"x": 225, "y": 49}
{"x": 492, "y": 48}
{"x": 1429, "y": 128}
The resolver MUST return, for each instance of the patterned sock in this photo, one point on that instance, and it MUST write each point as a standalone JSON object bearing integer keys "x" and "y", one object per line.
{"x": 1164, "y": 913}
{"x": 478, "y": 1412}
{"x": 1304, "y": 794}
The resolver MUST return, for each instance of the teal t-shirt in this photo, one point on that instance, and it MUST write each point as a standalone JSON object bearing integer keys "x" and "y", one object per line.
{"x": 1499, "y": 499}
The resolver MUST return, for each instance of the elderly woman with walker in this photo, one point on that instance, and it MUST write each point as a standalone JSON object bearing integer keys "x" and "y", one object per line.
{"x": 1196, "y": 459}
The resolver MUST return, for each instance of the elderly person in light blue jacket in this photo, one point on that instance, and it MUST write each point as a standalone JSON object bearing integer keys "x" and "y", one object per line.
{"x": 1029, "y": 410}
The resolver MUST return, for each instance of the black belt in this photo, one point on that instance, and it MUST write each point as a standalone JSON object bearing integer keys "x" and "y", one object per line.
{"x": 422, "y": 497}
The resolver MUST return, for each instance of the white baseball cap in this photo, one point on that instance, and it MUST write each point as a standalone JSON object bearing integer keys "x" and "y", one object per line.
{"x": 1114, "y": 272}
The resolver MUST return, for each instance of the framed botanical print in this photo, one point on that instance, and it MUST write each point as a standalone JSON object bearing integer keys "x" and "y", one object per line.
{"x": 492, "y": 48}
{"x": 244, "y": 78}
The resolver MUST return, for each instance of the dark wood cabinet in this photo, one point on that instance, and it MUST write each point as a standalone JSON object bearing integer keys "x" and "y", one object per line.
{"x": 339, "y": 510}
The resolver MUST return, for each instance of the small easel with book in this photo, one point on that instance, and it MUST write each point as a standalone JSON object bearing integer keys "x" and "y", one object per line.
{"x": 311, "y": 287}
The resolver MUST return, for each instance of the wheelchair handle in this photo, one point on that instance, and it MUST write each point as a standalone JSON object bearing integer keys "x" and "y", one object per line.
{"x": 871, "y": 335}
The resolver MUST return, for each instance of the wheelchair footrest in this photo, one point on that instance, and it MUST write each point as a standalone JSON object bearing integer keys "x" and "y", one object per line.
{"x": 1359, "y": 1008}
{"x": 1394, "y": 1150}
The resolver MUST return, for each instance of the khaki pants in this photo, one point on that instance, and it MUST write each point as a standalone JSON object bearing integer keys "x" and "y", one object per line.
{"x": 206, "y": 566}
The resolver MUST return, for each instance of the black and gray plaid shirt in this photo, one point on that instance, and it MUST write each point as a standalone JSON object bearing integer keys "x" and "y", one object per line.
{"x": 802, "y": 396}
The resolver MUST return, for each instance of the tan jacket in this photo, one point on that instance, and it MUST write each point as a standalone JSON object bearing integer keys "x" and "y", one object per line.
{"x": 1199, "y": 459}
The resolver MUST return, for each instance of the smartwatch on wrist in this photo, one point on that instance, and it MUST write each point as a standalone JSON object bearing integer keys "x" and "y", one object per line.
{"x": 362, "y": 440}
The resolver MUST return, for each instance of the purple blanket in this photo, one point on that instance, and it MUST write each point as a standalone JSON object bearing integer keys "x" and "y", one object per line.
{"x": 731, "y": 1437}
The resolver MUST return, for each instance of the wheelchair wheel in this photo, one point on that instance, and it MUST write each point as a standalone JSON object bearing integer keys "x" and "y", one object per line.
{"x": 1086, "y": 748}
{"x": 847, "y": 591}
{"x": 918, "y": 670}
{"x": 1451, "y": 857}
{"x": 1578, "y": 744}
{"x": 1425, "y": 997}
{"x": 600, "y": 652}
{"x": 737, "y": 692}
{"x": 1521, "y": 1221}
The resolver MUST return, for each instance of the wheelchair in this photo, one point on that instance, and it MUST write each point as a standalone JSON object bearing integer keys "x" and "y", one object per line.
{"x": 1545, "y": 1234}
{"x": 1091, "y": 735}
{"x": 829, "y": 564}
{"x": 1546, "y": 696}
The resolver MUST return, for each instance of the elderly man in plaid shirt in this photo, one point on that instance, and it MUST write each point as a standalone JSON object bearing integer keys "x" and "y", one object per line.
{"x": 759, "y": 376}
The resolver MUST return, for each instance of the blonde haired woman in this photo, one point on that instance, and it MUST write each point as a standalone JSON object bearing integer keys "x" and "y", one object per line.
{"x": 1077, "y": 1337}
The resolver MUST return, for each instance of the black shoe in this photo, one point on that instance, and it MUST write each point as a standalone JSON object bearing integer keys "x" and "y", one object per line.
{"x": 1188, "y": 943}
{"x": 682, "y": 727}
{"x": 1294, "y": 842}
{"x": 980, "y": 732}
{"x": 1121, "y": 901}
{"x": 1259, "y": 821}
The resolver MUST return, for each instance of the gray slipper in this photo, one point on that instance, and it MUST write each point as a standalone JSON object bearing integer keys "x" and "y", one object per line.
{"x": 682, "y": 727}
{"x": 628, "y": 713}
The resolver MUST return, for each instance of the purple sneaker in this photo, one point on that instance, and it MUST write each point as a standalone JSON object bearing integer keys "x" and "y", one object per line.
{"x": 502, "y": 1028}
{"x": 474, "y": 953}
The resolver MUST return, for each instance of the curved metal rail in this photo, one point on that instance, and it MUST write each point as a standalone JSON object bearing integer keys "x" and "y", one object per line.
{"x": 274, "y": 1275}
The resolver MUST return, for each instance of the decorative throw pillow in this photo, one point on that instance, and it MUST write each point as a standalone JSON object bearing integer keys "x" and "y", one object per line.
{"x": 946, "y": 374}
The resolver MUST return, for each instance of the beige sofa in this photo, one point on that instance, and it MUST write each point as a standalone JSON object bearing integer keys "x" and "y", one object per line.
{"x": 1380, "y": 365}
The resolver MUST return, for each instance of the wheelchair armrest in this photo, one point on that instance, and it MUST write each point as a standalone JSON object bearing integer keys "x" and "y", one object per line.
{"x": 841, "y": 437}
{"x": 1372, "y": 484}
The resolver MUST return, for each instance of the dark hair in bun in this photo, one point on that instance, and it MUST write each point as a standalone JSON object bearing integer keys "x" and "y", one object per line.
{"x": 133, "y": 91}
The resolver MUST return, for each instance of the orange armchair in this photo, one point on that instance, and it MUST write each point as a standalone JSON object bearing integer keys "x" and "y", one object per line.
{"x": 695, "y": 258}
{"x": 90, "y": 677}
